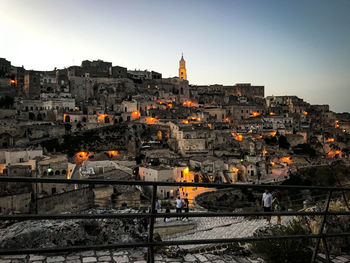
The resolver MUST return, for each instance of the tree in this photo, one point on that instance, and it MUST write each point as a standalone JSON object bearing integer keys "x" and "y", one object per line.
{"x": 286, "y": 250}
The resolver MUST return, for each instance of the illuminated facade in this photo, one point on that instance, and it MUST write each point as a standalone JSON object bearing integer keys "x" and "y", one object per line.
{"x": 182, "y": 69}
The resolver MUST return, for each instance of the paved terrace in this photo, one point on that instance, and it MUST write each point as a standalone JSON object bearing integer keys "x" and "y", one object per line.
{"x": 222, "y": 227}
{"x": 123, "y": 256}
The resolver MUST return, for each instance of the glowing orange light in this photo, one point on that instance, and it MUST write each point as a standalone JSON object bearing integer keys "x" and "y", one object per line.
{"x": 272, "y": 133}
{"x": 113, "y": 153}
{"x": 264, "y": 152}
{"x": 186, "y": 171}
{"x": 188, "y": 103}
{"x": 12, "y": 81}
{"x": 227, "y": 120}
{"x": 199, "y": 119}
{"x": 159, "y": 135}
{"x": 330, "y": 140}
{"x": 238, "y": 137}
{"x": 305, "y": 113}
{"x": 209, "y": 125}
{"x": 337, "y": 126}
{"x": 185, "y": 121}
{"x": 272, "y": 113}
{"x": 260, "y": 137}
{"x": 234, "y": 169}
{"x": 170, "y": 106}
{"x": 338, "y": 152}
{"x": 254, "y": 114}
{"x": 343, "y": 130}
{"x": 272, "y": 163}
{"x": 82, "y": 154}
{"x": 336, "y": 121}
{"x": 135, "y": 115}
{"x": 151, "y": 120}
{"x": 286, "y": 159}
{"x": 101, "y": 117}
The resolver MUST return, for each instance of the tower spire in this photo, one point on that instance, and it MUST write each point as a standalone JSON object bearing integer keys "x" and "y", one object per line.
{"x": 182, "y": 68}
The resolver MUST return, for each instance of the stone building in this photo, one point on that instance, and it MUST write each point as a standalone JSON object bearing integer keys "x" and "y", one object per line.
{"x": 190, "y": 140}
{"x": 32, "y": 86}
{"x": 53, "y": 167}
{"x": 5, "y": 68}
{"x": 119, "y": 72}
{"x": 96, "y": 68}
{"x": 162, "y": 173}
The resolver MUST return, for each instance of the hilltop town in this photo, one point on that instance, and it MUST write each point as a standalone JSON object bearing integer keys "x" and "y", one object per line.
{"x": 98, "y": 120}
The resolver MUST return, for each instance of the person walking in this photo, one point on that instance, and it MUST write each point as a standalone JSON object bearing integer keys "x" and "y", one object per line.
{"x": 178, "y": 205}
{"x": 276, "y": 205}
{"x": 266, "y": 203}
{"x": 186, "y": 207}
{"x": 157, "y": 205}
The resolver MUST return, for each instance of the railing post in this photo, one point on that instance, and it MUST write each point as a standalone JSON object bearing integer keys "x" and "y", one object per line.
{"x": 320, "y": 232}
{"x": 150, "y": 256}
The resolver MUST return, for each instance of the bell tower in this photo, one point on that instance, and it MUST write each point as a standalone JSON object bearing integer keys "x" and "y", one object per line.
{"x": 182, "y": 68}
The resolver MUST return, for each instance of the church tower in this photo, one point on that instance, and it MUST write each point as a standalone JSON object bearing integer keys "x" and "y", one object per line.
{"x": 182, "y": 69}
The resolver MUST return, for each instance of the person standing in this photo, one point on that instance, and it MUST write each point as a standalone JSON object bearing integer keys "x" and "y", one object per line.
{"x": 276, "y": 205}
{"x": 186, "y": 207}
{"x": 266, "y": 203}
{"x": 178, "y": 205}
{"x": 167, "y": 219}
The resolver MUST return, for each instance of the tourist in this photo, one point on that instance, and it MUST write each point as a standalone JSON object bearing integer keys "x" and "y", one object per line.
{"x": 167, "y": 211}
{"x": 178, "y": 205}
{"x": 157, "y": 205}
{"x": 276, "y": 205}
{"x": 266, "y": 203}
{"x": 186, "y": 205}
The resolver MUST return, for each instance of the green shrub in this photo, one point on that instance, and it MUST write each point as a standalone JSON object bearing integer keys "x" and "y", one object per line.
{"x": 287, "y": 250}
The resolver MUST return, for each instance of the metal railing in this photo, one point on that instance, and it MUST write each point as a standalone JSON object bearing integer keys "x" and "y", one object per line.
{"x": 152, "y": 215}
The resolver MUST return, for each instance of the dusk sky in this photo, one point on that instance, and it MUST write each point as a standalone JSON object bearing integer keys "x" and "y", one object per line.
{"x": 291, "y": 47}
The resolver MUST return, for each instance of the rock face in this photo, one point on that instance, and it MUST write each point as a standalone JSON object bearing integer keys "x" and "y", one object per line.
{"x": 58, "y": 233}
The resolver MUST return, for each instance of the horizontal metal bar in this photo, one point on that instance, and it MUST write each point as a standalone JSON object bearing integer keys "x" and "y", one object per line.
{"x": 161, "y": 215}
{"x": 149, "y": 183}
{"x": 163, "y": 243}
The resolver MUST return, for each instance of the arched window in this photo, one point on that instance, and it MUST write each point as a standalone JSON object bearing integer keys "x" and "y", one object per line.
{"x": 45, "y": 173}
{"x": 51, "y": 173}
{"x": 64, "y": 172}
{"x": 57, "y": 172}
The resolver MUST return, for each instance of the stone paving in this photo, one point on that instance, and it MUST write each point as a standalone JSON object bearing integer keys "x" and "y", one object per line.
{"x": 206, "y": 228}
{"x": 222, "y": 227}
{"x": 123, "y": 256}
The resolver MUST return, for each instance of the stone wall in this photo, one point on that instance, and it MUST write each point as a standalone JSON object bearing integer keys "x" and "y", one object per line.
{"x": 19, "y": 203}
{"x": 75, "y": 200}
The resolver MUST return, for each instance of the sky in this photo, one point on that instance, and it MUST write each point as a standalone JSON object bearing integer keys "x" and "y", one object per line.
{"x": 291, "y": 47}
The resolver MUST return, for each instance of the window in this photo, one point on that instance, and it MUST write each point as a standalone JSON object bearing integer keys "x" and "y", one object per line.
{"x": 21, "y": 160}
